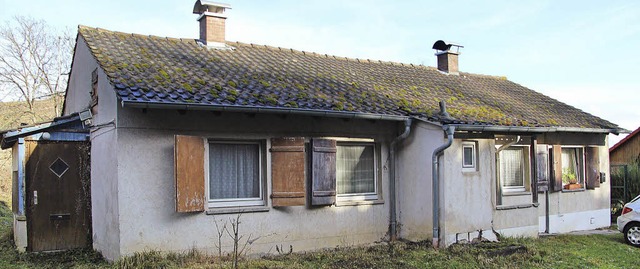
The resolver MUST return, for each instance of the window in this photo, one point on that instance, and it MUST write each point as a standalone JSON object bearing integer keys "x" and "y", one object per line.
{"x": 572, "y": 168}
{"x": 469, "y": 156}
{"x": 513, "y": 169}
{"x": 355, "y": 171}
{"x": 235, "y": 174}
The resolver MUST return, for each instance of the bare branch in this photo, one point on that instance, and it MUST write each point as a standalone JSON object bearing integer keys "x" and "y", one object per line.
{"x": 34, "y": 60}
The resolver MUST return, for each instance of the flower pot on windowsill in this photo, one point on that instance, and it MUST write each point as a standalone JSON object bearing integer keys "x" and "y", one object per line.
{"x": 572, "y": 186}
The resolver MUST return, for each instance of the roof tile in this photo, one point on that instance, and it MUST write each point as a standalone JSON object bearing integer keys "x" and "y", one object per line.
{"x": 171, "y": 70}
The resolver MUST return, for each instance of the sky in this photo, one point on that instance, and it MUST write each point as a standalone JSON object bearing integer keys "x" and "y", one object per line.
{"x": 584, "y": 53}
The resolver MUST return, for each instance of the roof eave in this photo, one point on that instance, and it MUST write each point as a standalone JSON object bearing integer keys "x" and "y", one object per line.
{"x": 526, "y": 129}
{"x": 271, "y": 110}
{"x": 10, "y": 137}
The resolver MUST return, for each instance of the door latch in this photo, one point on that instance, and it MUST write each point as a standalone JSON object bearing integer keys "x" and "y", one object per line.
{"x": 35, "y": 197}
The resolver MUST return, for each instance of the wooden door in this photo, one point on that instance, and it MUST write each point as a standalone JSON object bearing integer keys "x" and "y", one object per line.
{"x": 58, "y": 195}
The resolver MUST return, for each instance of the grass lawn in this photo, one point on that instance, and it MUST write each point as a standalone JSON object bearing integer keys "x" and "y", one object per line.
{"x": 565, "y": 251}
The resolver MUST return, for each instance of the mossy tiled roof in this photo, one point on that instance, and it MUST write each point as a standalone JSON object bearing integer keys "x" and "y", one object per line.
{"x": 181, "y": 71}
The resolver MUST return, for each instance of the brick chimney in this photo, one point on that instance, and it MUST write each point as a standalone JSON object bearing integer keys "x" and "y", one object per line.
{"x": 211, "y": 18}
{"x": 447, "y": 58}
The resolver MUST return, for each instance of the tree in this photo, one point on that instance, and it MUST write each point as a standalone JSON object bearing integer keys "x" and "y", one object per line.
{"x": 34, "y": 62}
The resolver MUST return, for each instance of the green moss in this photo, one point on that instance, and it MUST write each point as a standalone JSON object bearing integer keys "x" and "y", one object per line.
{"x": 231, "y": 83}
{"x": 187, "y": 87}
{"x": 350, "y": 107}
{"x": 480, "y": 113}
{"x": 233, "y": 92}
{"x": 164, "y": 74}
{"x": 552, "y": 122}
{"x": 291, "y": 104}
{"x": 302, "y": 95}
{"x": 217, "y": 87}
{"x": 338, "y": 106}
{"x": 299, "y": 86}
{"x": 271, "y": 99}
{"x": 231, "y": 98}
{"x": 214, "y": 93}
{"x": 265, "y": 83}
{"x": 200, "y": 81}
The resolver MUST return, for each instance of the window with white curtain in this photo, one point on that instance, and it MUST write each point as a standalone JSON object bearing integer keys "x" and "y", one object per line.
{"x": 355, "y": 170}
{"x": 235, "y": 174}
{"x": 512, "y": 169}
{"x": 572, "y": 165}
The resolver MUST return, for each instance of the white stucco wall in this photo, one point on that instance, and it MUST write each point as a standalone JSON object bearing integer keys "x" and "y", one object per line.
{"x": 469, "y": 196}
{"x": 146, "y": 189}
{"x": 79, "y": 88}
{"x": 581, "y": 210}
{"x": 104, "y": 188}
{"x": 414, "y": 181}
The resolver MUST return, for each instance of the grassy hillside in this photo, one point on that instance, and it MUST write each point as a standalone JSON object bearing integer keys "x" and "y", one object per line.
{"x": 12, "y": 115}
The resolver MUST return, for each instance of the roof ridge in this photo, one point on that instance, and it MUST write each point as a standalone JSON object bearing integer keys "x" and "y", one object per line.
{"x": 326, "y": 55}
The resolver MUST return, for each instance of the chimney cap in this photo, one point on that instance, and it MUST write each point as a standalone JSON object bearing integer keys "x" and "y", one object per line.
{"x": 202, "y": 6}
{"x": 445, "y": 46}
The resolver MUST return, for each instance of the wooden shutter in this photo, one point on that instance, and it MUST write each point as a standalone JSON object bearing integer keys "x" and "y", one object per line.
{"x": 556, "y": 157}
{"x": 189, "y": 173}
{"x": 542, "y": 167}
{"x": 287, "y": 171}
{"x": 593, "y": 167}
{"x": 323, "y": 166}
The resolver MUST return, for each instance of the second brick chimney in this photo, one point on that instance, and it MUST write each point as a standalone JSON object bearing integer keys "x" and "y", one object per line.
{"x": 212, "y": 22}
{"x": 447, "y": 58}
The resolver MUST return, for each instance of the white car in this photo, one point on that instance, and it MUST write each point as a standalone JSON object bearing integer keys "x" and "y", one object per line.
{"x": 629, "y": 222}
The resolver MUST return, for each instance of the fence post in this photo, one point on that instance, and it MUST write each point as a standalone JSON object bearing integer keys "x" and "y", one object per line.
{"x": 626, "y": 174}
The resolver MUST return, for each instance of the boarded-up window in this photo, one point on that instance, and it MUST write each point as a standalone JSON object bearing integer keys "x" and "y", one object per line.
{"x": 323, "y": 166}
{"x": 189, "y": 173}
{"x": 287, "y": 171}
{"x": 593, "y": 167}
{"x": 556, "y": 156}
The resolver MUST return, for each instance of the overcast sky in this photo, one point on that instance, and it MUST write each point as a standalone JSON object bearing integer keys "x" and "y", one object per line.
{"x": 584, "y": 53}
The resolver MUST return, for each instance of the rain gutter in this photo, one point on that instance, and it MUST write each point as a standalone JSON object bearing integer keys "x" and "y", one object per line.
{"x": 274, "y": 110}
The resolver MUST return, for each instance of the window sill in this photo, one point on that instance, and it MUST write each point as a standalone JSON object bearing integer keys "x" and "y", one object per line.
{"x": 516, "y": 193}
{"x": 510, "y": 207}
{"x": 237, "y": 210}
{"x": 574, "y": 190}
{"x": 359, "y": 202}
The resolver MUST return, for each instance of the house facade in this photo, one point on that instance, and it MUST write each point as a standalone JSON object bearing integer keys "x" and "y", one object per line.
{"x": 627, "y": 150}
{"x": 313, "y": 151}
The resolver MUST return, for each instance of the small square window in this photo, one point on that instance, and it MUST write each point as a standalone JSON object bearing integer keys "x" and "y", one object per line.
{"x": 469, "y": 156}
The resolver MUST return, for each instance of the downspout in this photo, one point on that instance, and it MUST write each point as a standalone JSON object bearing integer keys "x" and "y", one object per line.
{"x": 436, "y": 184}
{"x": 393, "y": 222}
{"x": 499, "y": 183}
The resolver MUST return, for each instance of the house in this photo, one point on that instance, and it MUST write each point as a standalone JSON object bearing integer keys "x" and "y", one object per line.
{"x": 316, "y": 151}
{"x": 627, "y": 150}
